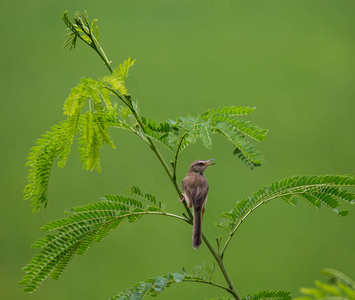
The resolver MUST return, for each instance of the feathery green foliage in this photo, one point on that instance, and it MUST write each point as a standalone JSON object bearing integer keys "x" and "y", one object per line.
{"x": 118, "y": 77}
{"x": 81, "y": 29}
{"x": 154, "y": 286}
{"x": 51, "y": 145}
{"x": 152, "y": 201}
{"x": 92, "y": 126}
{"x": 225, "y": 121}
{"x": 339, "y": 286}
{"x": 90, "y": 113}
{"x": 77, "y": 232}
{"x": 263, "y": 295}
{"x": 267, "y": 295}
{"x": 316, "y": 190}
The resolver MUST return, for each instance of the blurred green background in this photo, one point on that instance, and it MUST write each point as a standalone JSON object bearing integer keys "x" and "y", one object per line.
{"x": 293, "y": 60}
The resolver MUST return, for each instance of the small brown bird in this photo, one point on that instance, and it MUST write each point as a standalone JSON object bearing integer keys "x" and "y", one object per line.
{"x": 195, "y": 187}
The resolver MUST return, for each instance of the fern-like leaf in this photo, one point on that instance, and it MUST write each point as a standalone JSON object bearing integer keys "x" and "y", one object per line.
{"x": 89, "y": 144}
{"x": 339, "y": 286}
{"x": 154, "y": 286}
{"x": 206, "y": 134}
{"x": 73, "y": 34}
{"x": 225, "y": 121}
{"x": 316, "y": 190}
{"x": 152, "y": 201}
{"x": 230, "y": 111}
{"x": 76, "y": 233}
{"x": 117, "y": 79}
{"x": 81, "y": 28}
{"x": 244, "y": 150}
{"x": 267, "y": 295}
{"x": 245, "y": 127}
{"x": 92, "y": 125}
{"x": 162, "y": 127}
{"x": 51, "y": 145}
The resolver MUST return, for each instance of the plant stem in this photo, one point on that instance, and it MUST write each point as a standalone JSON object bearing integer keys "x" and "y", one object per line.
{"x": 104, "y": 58}
{"x": 239, "y": 223}
{"x": 177, "y": 155}
{"x": 207, "y": 282}
{"x": 161, "y": 159}
{"x": 219, "y": 260}
{"x": 101, "y": 52}
{"x": 172, "y": 177}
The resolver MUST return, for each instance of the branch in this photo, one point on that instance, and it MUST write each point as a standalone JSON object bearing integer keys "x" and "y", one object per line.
{"x": 154, "y": 286}
{"x": 177, "y": 155}
{"x": 94, "y": 44}
{"x": 316, "y": 190}
{"x": 75, "y": 235}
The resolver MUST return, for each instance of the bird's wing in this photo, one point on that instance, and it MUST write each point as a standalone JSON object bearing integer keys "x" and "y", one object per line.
{"x": 196, "y": 190}
{"x": 200, "y": 196}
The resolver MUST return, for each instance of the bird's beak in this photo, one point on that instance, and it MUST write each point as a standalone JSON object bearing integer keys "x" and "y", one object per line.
{"x": 208, "y": 162}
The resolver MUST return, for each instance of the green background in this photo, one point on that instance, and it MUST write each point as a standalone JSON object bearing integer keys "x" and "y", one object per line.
{"x": 293, "y": 60}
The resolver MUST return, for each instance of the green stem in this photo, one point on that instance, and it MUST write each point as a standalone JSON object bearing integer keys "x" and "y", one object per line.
{"x": 172, "y": 177}
{"x": 206, "y": 282}
{"x": 241, "y": 221}
{"x": 219, "y": 260}
{"x": 104, "y": 58}
{"x": 232, "y": 289}
{"x": 220, "y": 263}
{"x": 100, "y": 52}
{"x": 177, "y": 155}
{"x": 160, "y": 157}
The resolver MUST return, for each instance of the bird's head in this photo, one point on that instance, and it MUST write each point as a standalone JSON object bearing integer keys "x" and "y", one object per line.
{"x": 199, "y": 166}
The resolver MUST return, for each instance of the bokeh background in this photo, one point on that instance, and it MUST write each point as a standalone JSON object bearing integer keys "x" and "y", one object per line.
{"x": 293, "y": 60}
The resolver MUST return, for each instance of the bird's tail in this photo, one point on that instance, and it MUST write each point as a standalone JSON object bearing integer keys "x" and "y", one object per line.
{"x": 197, "y": 233}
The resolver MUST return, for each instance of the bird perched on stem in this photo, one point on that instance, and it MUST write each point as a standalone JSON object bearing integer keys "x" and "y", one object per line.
{"x": 195, "y": 187}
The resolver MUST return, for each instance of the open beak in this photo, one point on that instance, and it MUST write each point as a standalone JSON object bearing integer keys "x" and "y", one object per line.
{"x": 208, "y": 162}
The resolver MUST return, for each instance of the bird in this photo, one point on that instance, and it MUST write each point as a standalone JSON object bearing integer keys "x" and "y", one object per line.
{"x": 195, "y": 188}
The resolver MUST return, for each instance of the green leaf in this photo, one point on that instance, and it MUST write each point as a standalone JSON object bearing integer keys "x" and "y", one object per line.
{"x": 316, "y": 190}
{"x": 220, "y": 298}
{"x": 348, "y": 292}
{"x": 206, "y": 134}
{"x": 225, "y": 121}
{"x": 93, "y": 128}
{"x": 269, "y": 295}
{"x": 245, "y": 127}
{"x": 244, "y": 150}
{"x": 158, "y": 131}
{"x": 154, "y": 286}
{"x": 317, "y": 294}
{"x": 117, "y": 79}
{"x": 73, "y": 34}
{"x": 230, "y": 111}
{"x": 340, "y": 286}
{"x": 328, "y": 288}
{"x": 147, "y": 197}
{"x": 76, "y": 233}
{"x": 51, "y": 145}
{"x": 157, "y": 126}
{"x": 338, "y": 276}
{"x": 89, "y": 144}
